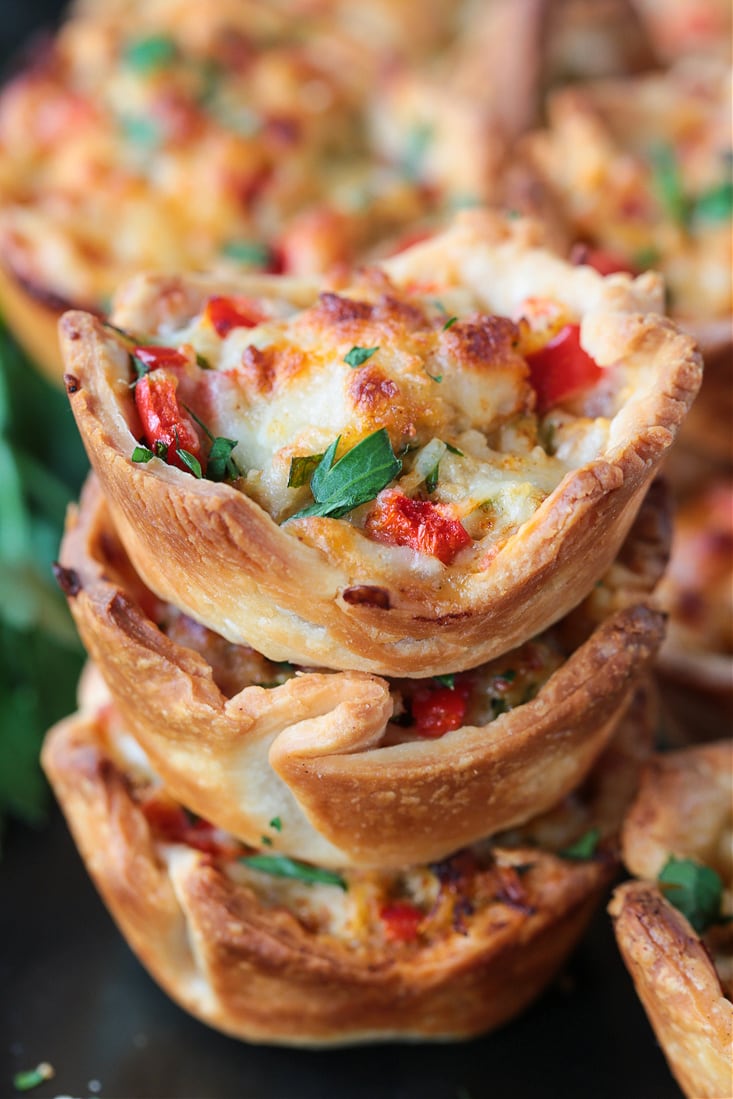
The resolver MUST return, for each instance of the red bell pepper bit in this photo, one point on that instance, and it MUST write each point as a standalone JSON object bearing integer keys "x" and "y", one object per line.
{"x": 156, "y": 357}
{"x": 401, "y": 921}
{"x": 224, "y": 314}
{"x": 602, "y": 260}
{"x": 438, "y": 710}
{"x": 162, "y": 418}
{"x": 561, "y": 369}
{"x": 423, "y": 526}
{"x": 172, "y": 824}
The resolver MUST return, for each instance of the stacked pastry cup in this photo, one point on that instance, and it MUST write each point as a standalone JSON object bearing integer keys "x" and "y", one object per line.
{"x": 337, "y": 784}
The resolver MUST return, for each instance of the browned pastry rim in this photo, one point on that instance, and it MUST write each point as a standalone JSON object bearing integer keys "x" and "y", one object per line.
{"x": 310, "y": 751}
{"x": 216, "y": 554}
{"x": 255, "y": 971}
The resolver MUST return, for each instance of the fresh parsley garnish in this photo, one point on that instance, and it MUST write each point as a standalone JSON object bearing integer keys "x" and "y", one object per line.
{"x": 694, "y": 889}
{"x": 252, "y": 253}
{"x": 302, "y": 469}
{"x": 147, "y": 55}
{"x": 356, "y": 478}
{"x": 583, "y": 848}
{"x": 715, "y": 204}
{"x": 646, "y": 258}
{"x": 449, "y": 323}
{"x": 455, "y": 450}
{"x": 431, "y": 479}
{"x": 191, "y": 462}
{"x": 31, "y": 1078}
{"x": 142, "y": 131}
{"x": 277, "y": 824}
{"x": 446, "y": 681}
{"x": 358, "y": 356}
{"x": 142, "y": 454}
{"x": 266, "y": 841}
{"x": 435, "y": 377}
{"x": 220, "y": 465}
{"x": 667, "y": 183}
{"x": 280, "y": 866}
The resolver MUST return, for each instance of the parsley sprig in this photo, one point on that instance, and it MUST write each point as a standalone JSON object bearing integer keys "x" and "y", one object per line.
{"x": 583, "y": 848}
{"x": 280, "y": 866}
{"x": 695, "y": 890}
{"x": 356, "y": 478}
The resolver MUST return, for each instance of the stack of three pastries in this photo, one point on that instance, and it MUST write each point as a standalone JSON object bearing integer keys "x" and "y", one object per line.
{"x": 365, "y": 570}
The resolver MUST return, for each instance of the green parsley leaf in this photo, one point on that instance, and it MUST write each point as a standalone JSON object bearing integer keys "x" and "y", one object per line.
{"x": 31, "y": 1078}
{"x": 161, "y": 450}
{"x": 140, "y": 368}
{"x": 277, "y": 824}
{"x": 455, "y": 450}
{"x": 280, "y": 866}
{"x": 220, "y": 465}
{"x": 510, "y": 675}
{"x": 583, "y": 848}
{"x": 302, "y": 469}
{"x": 356, "y": 478}
{"x": 431, "y": 479}
{"x": 446, "y": 681}
{"x": 359, "y": 355}
{"x": 716, "y": 204}
{"x": 251, "y": 253}
{"x": 449, "y": 323}
{"x": 141, "y": 131}
{"x": 142, "y": 454}
{"x": 148, "y": 55}
{"x": 667, "y": 183}
{"x": 266, "y": 841}
{"x": 435, "y": 377}
{"x": 694, "y": 889}
{"x": 416, "y": 146}
{"x": 646, "y": 258}
{"x": 190, "y": 462}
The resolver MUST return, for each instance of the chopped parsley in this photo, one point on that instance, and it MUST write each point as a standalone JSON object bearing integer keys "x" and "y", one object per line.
{"x": 142, "y": 454}
{"x": 277, "y": 824}
{"x": 667, "y": 183}
{"x": 715, "y": 204}
{"x": 435, "y": 377}
{"x": 356, "y": 478}
{"x": 358, "y": 356}
{"x": 31, "y": 1078}
{"x": 220, "y": 465}
{"x": 454, "y": 450}
{"x": 251, "y": 253}
{"x": 148, "y": 55}
{"x": 280, "y": 866}
{"x": 583, "y": 848}
{"x": 448, "y": 681}
{"x": 302, "y": 469}
{"x": 191, "y": 462}
{"x": 431, "y": 478}
{"x": 449, "y": 323}
{"x": 695, "y": 890}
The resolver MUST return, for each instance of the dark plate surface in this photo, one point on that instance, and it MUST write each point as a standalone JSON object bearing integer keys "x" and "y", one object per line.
{"x": 71, "y": 993}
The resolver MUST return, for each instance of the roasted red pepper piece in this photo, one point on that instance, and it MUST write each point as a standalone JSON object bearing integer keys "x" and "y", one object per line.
{"x": 561, "y": 368}
{"x": 224, "y": 314}
{"x": 156, "y": 357}
{"x": 602, "y": 260}
{"x": 162, "y": 418}
{"x": 438, "y": 710}
{"x": 419, "y": 524}
{"x": 172, "y": 824}
{"x": 401, "y": 921}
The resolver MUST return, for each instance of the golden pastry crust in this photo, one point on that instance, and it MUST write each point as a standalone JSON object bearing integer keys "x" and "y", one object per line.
{"x": 263, "y": 960}
{"x": 289, "y": 589}
{"x": 684, "y": 808}
{"x": 679, "y": 988}
{"x": 328, "y": 754}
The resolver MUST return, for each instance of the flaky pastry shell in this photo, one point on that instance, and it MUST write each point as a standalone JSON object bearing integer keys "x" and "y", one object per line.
{"x": 319, "y": 751}
{"x": 269, "y": 961}
{"x": 316, "y": 590}
{"x": 684, "y": 980}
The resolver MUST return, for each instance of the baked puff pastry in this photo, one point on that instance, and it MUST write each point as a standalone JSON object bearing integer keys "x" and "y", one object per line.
{"x": 414, "y": 474}
{"x": 680, "y": 954}
{"x": 361, "y": 771}
{"x": 441, "y": 951}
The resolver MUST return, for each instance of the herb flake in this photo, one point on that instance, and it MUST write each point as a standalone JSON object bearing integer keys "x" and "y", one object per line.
{"x": 695, "y": 890}
{"x": 302, "y": 469}
{"x": 142, "y": 454}
{"x": 251, "y": 253}
{"x": 356, "y": 478}
{"x": 31, "y": 1078}
{"x": 280, "y": 866}
{"x": 448, "y": 681}
{"x": 358, "y": 356}
{"x": 583, "y": 848}
{"x": 148, "y": 55}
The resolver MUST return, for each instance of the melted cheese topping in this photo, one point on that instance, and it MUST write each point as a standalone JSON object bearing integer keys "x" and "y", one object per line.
{"x": 452, "y": 391}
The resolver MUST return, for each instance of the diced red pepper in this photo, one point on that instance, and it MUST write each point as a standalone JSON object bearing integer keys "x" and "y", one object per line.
{"x": 419, "y": 524}
{"x": 163, "y": 419}
{"x": 172, "y": 824}
{"x": 224, "y": 314}
{"x": 156, "y": 357}
{"x": 602, "y": 260}
{"x": 438, "y": 710}
{"x": 401, "y": 921}
{"x": 561, "y": 368}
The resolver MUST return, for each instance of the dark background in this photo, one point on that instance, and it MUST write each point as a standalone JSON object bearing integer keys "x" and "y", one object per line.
{"x": 71, "y": 993}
